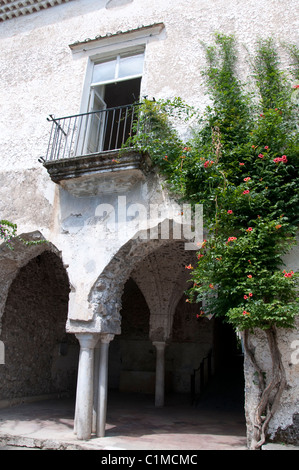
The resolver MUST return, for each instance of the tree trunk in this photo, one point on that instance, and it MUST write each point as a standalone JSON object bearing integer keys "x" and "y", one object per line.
{"x": 270, "y": 394}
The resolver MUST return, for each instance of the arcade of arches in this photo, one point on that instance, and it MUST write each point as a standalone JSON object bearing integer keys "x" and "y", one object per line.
{"x": 42, "y": 359}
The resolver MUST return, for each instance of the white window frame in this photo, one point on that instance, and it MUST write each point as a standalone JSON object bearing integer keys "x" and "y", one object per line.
{"x": 116, "y": 78}
{"x": 95, "y": 130}
{"x": 90, "y": 89}
{"x": 92, "y": 61}
{"x": 104, "y": 48}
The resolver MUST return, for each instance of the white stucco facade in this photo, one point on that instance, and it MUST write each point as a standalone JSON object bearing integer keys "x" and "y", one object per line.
{"x": 41, "y": 75}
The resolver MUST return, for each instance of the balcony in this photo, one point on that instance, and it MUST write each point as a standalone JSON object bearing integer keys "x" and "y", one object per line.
{"x": 83, "y": 154}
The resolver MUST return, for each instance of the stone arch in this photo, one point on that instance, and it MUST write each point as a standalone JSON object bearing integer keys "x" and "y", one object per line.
{"x": 14, "y": 258}
{"x": 38, "y": 352}
{"x": 161, "y": 277}
{"x": 106, "y": 293}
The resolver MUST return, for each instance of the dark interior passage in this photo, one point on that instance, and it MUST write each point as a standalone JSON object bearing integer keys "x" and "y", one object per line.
{"x": 131, "y": 354}
{"x": 225, "y": 389}
{"x": 132, "y": 359}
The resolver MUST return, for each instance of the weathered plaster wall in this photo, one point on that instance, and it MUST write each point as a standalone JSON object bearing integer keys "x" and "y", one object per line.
{"x": 40, "y": 75}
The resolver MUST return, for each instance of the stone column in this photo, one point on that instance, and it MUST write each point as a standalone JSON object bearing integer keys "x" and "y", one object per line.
{"x": 84, "y": 398}
{"x": 103, "y": 384}
{"x": 160, "y": 372}
{"x": 97, "y": 352}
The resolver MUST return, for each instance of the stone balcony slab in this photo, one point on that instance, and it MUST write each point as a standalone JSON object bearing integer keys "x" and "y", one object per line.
{"x": 107, "y": 172}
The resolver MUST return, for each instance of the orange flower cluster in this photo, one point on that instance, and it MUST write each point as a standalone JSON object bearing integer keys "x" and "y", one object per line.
{"x": 248, "y": 296}
{"x": 282, "y": 159}
{"x": 189, "y": 266}
{"x": 290, "y": 274}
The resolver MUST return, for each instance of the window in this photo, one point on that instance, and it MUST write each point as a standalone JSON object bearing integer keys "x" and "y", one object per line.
{"x": 114, "y": 89}
{"x": 111, "y": 93}
{"x": 112, "y": 85}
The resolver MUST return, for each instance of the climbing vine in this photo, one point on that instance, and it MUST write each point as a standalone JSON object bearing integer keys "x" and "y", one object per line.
{"x": 241, "y": 163}
{"x": 8, "y": 233}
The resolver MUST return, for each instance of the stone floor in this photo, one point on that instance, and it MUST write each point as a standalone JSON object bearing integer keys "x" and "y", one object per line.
{"x": 133, "y": 423}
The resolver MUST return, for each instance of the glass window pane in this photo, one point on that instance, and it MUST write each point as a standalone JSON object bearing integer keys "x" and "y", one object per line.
{"x": 130, "y": 66}
{"x": 103, "y": 72}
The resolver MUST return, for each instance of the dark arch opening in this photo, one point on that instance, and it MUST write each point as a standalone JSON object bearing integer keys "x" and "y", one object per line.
{"x": 191, "y": 341}
{"x": 40, "y": 358}
{"x": 132, "y": 355}
{"x": 226, "y": 390}
{"x": 205, "y": 359}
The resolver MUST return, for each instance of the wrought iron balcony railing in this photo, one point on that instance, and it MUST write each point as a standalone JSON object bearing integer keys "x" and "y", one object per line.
{"x": 93, "y": 132}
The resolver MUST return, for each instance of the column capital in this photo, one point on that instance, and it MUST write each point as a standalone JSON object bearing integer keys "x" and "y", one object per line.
{"x": 106, "y": 338}
{"x": 87, "y": 340}
{"x": 160, "y": 345}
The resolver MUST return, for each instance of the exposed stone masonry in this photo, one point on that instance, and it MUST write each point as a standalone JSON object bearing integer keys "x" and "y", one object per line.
{"x": 34, "y": 321}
